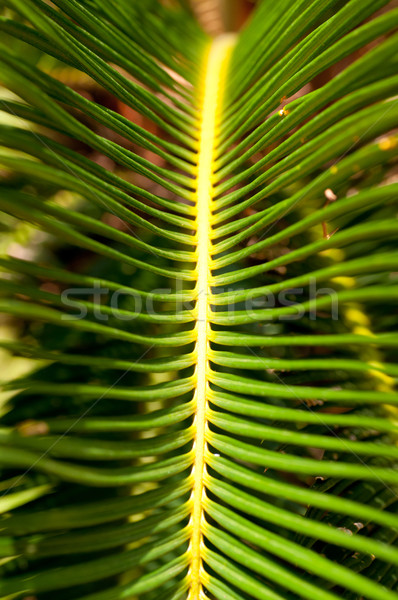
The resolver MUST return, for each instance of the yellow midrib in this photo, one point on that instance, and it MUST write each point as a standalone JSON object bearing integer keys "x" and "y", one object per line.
{"x": 215, "y": 66}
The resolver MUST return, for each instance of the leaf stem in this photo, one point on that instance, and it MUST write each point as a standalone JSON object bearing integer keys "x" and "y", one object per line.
{"x": 215, "y": 66}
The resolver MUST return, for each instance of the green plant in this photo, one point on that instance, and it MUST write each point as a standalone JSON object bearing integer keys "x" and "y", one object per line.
{"x": 228, "y": 430}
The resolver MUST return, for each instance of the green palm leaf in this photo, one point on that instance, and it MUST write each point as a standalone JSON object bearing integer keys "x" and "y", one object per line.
{"x": 199, "y": 271}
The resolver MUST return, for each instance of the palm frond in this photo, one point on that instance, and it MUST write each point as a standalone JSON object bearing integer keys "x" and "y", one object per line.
{"x": 207, "y": 300}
